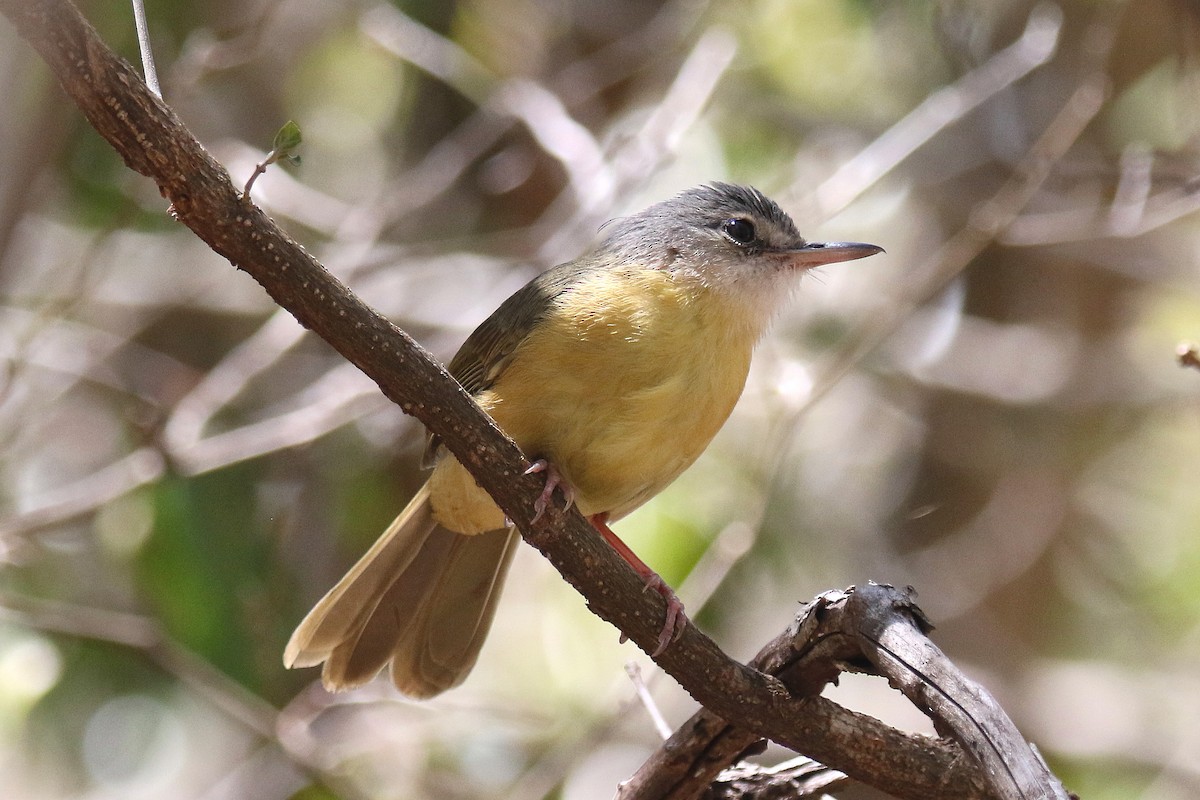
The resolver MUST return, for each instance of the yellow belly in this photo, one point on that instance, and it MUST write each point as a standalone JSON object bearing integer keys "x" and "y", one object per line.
{"x": 621, "y": 387}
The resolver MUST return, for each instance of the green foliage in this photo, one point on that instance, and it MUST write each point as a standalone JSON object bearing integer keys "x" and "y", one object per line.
{"x": 204, "y": 567}
{"x": 315, "y": 792}
{"x": 99, "y": 195}
{"x": 287, "y": 139}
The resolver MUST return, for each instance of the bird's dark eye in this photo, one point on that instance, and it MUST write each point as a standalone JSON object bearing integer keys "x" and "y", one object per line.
{"x": 741, "y": 231}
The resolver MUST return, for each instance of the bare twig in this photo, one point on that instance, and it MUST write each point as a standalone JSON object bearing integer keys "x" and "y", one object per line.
{"x": 1083, "y": 224}
{"x": 144, "y": 48}
{"x": 985, "y": 223}
{"x": 144, "y": 633}
{"x": 643, "y": 694}
{"x": 1035, "y": 47}
{"x": 896, "y": 645}
{"x": 336, "y": 398}
{"x": 119, "y": 478}
{"x": 1133, "y": 189}
{"x": 428, "y": 50}
{"x": 636, "y": 156}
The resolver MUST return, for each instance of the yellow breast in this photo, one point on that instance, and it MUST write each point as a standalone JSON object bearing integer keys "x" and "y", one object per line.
{"x": 621, "y": 386}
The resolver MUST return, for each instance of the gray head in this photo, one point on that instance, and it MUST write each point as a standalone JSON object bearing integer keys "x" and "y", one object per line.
{"x": 722, "y": 234}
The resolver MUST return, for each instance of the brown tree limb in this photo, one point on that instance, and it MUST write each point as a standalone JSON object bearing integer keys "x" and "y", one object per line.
{"x": 877, "y": 630}
{"x": 154, "y": 142}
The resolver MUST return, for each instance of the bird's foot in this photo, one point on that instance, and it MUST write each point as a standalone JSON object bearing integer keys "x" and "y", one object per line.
{"x": 675, "y": 620}
{"x": 554, "y": 479}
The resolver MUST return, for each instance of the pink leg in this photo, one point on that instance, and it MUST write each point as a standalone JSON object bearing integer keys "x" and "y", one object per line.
{"x": 676, "y": 620}
{"x": 554, "y": 479}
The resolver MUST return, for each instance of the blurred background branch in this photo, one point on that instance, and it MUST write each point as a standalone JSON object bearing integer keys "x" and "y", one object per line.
{"x": 1018, "y": 445}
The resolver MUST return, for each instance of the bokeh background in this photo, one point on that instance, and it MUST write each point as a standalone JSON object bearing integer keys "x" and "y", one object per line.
{"x": 991, "y": 413}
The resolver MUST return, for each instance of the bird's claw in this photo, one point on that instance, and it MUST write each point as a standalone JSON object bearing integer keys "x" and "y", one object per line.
{"x": 676, "y": 619}
{"x": 554, "y": 479}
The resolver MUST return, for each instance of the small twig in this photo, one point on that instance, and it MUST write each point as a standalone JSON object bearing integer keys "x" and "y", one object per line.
{"x": 142, "y": 466}
{"x": 560, "y": 136}
{"x": 1035, "y": 47}
{"x": 987, "y": 220}
{"x": 1128, "y": 208}
{"x": 426, "y": 49}
{"x": 287, "y": 139}
{"x": 334, "y": 399}
{"x": 143, "y": 633}
{"x": 638, "y": 155}
{"x": 1085, "y": 224}
{"x": 143, "y": 36}
{"x": 635, "y": 676}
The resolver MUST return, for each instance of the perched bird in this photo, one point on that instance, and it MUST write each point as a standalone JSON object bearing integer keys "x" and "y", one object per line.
{"x": 612, "y": 372}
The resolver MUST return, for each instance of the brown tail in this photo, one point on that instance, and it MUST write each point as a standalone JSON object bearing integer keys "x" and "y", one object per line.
{"x": 422, "y": 598}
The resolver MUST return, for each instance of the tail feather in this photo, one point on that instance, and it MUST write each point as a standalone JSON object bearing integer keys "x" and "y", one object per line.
{"x": 339, "y": 615}
{"x": 422, "y": 597}
{"x": 393, "y": 615}
{"x": 443, "y": 641}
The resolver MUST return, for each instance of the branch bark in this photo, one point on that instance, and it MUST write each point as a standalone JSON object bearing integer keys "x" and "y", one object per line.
{"x": 155, "y": 143}
{"x": 876, "y": 630}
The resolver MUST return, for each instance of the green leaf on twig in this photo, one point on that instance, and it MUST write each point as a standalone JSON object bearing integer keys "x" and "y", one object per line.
{"x": 286, "y": 140}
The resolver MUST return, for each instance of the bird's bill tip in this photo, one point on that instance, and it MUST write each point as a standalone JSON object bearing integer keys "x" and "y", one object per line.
{"x": 814, "y": 254}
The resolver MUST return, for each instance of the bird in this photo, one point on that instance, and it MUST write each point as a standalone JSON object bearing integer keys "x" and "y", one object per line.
{"x": 612, "y": 373}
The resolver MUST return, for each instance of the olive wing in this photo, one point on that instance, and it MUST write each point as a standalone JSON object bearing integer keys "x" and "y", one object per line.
{"x": 486, "y": 353}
